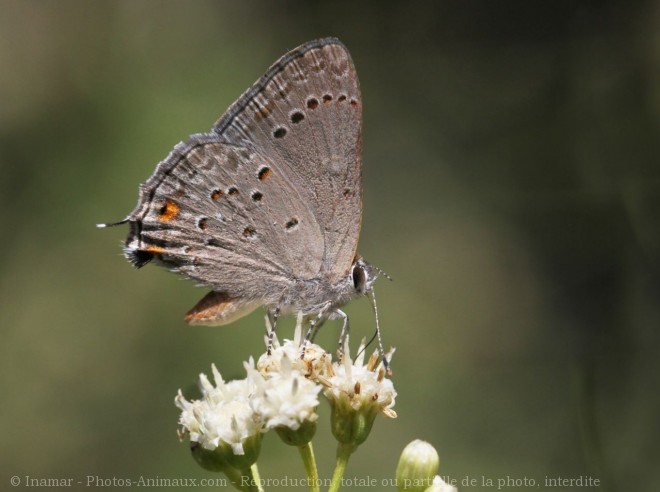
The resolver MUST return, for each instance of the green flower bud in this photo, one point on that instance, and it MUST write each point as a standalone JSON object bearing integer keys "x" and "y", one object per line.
{"x": 298, "y": 437}
{"x": 357, "y": 392}
{"x": 349, "y": 425}
{"x": 251, "y": 450}
{"x": 417, "y": 466}
{"x": 209, "y": 459}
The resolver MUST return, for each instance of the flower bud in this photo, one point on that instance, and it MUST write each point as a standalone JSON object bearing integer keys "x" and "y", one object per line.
{"x": 251, "y": 449}
{"x": 417, "y": 466}
{"x": 209, "y": 459}
{"x": 349, "y": 425}
{"x": 299, "y": 437}
{"x": 357, "y": 392}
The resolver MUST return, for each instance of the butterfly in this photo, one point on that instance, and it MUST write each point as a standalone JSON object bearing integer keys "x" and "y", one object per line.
{"x": 266, "y": 208}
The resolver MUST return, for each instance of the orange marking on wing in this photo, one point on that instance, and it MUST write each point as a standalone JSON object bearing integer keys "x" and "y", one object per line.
{"x": 154, "y": 249}
{"x": 262, "y": 112}
{"x": 168, "y": 211}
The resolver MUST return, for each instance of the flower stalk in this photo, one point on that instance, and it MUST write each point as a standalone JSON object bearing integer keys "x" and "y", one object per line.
{"x": 344, "y": 452}
{"x": 309, "y": 461}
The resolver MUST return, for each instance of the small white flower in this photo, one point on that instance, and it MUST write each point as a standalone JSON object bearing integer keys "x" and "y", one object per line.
{"x": 307, "y": 358}
{"x": 357, "y": 392}
{"x": 223, "y": 415}
{"x": 364, "y": 385}
{"x": 284, "y": 398}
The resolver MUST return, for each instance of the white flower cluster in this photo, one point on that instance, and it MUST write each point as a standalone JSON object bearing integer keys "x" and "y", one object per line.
{"x": 281, "y": 392}
{"x": 307, "y": 358}
{"x": 223, "y": 414}
{"x": 285, "y": 398}
{"x": 361, "y": 384}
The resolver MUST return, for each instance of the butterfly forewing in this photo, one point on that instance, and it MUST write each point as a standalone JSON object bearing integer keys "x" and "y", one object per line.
{"x": 305, "y": 113}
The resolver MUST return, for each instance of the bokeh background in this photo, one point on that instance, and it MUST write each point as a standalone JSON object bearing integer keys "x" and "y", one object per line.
{"x": 511, "y": 189}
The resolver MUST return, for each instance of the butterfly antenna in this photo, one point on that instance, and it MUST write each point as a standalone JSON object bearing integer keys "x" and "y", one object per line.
{"x": 386, "y": 363}
{"x": 112, "y": 224}
{"x": 383, "y": 273}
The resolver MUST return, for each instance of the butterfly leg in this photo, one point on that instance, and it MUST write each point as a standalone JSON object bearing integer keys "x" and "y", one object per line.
{"x": 272, "y": 318}
{"x": 344, "y": 332}
{"x": 317, "y": 328}
{"x": 315, "y": 323}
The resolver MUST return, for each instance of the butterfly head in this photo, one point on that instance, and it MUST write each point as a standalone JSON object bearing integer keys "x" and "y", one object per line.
{"x": 364, "y": 275}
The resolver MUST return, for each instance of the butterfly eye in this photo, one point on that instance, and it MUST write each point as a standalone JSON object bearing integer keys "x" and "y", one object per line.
{"x": 360, "y": 278}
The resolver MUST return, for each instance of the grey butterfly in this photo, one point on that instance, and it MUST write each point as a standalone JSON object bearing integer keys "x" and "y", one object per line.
{"x": 266, "y": 208}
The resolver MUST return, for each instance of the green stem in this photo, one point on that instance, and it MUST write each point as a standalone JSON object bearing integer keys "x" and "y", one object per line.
{"x": 307, "y": 455}
{"x": 344, "y": 452}
{"x": 254, "y": 471}
{"x": 238, "y": 479}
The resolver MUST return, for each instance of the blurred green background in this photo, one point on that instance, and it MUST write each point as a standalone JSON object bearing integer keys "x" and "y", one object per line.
{"x": 511, "y": 189}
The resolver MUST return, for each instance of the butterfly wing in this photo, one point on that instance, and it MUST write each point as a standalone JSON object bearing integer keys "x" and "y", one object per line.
{"x": 273, "y": 194}
{"x": 221, "y": 214}
{"x": 306, "y": 114}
